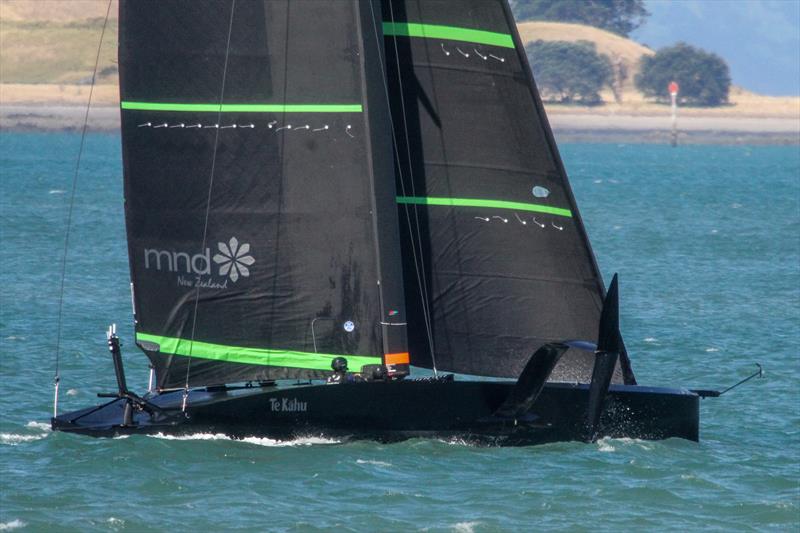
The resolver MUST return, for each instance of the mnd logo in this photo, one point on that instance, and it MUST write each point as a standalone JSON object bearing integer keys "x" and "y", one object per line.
{"x": 232, "y": 262}
{"x": 234, "y": 259}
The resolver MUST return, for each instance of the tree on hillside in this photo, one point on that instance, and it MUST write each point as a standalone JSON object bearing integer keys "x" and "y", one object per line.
{"x": 703, "y": 77}
{"x": 569, "y": 72}
{"x": 618, "y": 16}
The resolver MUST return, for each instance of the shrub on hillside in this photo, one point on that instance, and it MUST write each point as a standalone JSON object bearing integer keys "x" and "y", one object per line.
{"x": 703, "y": 77}
{"x": 618, "y": 16}
{"x": 569, "y": 72}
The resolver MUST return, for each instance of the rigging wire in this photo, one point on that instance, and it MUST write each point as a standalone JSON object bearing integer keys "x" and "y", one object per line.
{"x": 282, "y": 150}
{"x": 419, "y": 261}
{"x": 208, "y": 201}
{"x": 57, "y": 375}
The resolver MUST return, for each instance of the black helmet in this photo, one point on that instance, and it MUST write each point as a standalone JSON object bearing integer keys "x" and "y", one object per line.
{"x": 339, "y": 364}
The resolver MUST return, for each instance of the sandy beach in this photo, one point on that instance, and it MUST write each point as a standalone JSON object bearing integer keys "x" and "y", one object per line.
{"x": 568, "y": 126}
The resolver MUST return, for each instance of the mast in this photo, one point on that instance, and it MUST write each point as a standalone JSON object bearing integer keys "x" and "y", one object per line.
{"x": 298, "y": 262}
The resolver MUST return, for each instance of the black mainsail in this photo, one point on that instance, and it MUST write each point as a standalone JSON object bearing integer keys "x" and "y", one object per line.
{"x": 497, "y": 260}
{"x": 259, "y": 190}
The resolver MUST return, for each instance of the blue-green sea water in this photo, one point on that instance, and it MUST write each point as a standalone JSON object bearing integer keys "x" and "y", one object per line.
{"x": 707, "y": 243}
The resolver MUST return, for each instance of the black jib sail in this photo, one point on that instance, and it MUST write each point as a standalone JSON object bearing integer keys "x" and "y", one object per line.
{"x": 497, "y": 260}
{"x": 259, "y": 188}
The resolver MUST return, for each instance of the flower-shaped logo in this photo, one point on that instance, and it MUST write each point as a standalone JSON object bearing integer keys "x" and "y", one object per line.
{"x": 233, "y": 259}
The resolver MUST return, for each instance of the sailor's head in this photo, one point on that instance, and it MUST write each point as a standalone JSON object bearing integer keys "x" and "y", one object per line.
{"x": 339, "y": 364}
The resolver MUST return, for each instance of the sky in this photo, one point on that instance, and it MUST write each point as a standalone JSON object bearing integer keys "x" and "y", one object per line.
{"x": 759, "y": 39}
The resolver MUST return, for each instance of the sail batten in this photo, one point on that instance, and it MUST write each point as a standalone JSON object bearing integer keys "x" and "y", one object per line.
{"x": 249, "y": 355}
{"x": 485, "y": 203}
{"x": 242, "y": 108}
{"x": 451, "y": 33}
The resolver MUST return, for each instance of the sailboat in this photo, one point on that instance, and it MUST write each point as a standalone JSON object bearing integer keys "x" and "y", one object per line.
{"x": 350, "y": 218}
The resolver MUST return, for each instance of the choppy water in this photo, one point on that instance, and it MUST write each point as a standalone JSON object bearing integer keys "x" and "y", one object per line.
{"x": 707, "y": 243}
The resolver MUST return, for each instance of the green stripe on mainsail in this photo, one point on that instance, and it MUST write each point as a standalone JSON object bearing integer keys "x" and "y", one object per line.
{"x": 451, "y": 33}
{"x": 253, "y": 356}
{"x": 476, "y": 202}
{"x": 243, "y": 108}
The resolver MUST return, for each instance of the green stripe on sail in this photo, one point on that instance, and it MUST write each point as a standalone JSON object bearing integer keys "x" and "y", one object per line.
{"x": 253, "y": 356}
{"x": 451, "y": 33}
{"x": 494, "y": 204}
{"x": 243, "y": 108}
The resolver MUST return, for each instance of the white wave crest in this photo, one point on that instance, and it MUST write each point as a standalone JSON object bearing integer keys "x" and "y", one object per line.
{"x": 56, "y": 191}
{"x": 606, "y": 444}
{"x": 465, "y": 527}
{"x": 457, "y": 441}
{"x": 372, "y": 462}
{"x": 14, "y": 524}
{"x": 12, "y": 439}
{"x": 38, "y": 425}
{"x": 259, "y": 441}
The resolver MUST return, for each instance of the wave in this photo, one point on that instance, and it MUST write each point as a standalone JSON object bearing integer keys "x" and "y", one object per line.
{"x": 259, "y": 441}
{"x": 38, "y": 425}
{"x": 14, "y": 524}
{"x": 13, "y": 439}
{"x": 465, "y": 527}
{"x": 606, "y": 444}
{"x": 373, "y": 462}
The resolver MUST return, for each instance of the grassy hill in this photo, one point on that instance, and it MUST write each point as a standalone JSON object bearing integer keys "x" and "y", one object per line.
{"x": 48, "y": 47}
{"x": 55, "y": 41}
{"x": 618, "y": 49}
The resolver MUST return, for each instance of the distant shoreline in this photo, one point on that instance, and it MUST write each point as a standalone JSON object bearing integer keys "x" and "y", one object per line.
{"x": 583, "y": 126}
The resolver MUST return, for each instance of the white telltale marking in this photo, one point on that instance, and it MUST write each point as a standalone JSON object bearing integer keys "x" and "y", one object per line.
{"x": 251, "y": 126}
{"x": 272, "y": 124}
{"x": 306, "y": 127}
{"x": 181, "y": 125}
{"x": 480, "y": 54}
{"x": 164, "y": 125}
{"x": 229, "y": 126}
{"x": 462, "y": 52}
{"x": 194, "y": 126}
{"x": 443, "y": 49}
{"x": 521, "y": 221}
{"x": 347, "y": 131}
{"x": 286, "y": 127}
{"x": 505, "y": 220}
{"x": 500, "y": 59}
{"x": 559, "y": 228}
{"x": 540, "y": 192}
{"x": 349, "y": 326}
{"x": 213, "y": 126}
{"x": 538, "y": 223}
{"x": 323, "y": 128}
{"x": 485, "y": 219}
{"x": 145, "y": 125}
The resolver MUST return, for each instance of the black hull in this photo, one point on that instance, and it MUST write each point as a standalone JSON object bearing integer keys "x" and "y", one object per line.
{"x": 400, "y": 410}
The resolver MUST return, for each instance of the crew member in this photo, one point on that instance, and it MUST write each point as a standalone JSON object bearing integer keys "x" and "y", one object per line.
{"x": 339, "y": 366}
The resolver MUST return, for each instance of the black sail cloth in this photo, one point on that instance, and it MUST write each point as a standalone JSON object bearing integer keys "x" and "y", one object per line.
{"x": 494, "y": 247}
{"x": 297, "y": 260}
